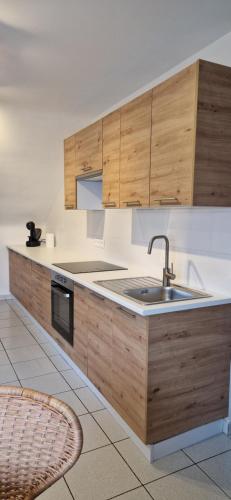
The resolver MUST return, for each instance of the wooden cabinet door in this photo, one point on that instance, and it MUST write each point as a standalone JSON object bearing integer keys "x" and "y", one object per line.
{"x": 100, "y": 342}
{"x": 189, "y": 370}
{"x": 80, "y": 327}
{"x": 14, "y": 274}
{"x": 41, "y": 295}
{"x": 111, "y": 160}
{"x": 20, "y": 278}
{"x": 25, "y": 283}
{"x": 70, "y": 172}
{"x": 129, "y": 368}
{"x": 212, "y": 179}
{"x": 89, "y": 149}
{"x": 173, "y": 139}
{"x": 135, "y": 151}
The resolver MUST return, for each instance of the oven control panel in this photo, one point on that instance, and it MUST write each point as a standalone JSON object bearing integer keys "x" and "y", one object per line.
{"x": 62, "y": 280}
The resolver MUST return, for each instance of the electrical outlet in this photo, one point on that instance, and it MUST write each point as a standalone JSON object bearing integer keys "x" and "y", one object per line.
{"x": 99, "y": 243}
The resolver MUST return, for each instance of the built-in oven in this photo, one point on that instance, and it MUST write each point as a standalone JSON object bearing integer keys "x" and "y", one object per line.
{"x": 62, "y": 305}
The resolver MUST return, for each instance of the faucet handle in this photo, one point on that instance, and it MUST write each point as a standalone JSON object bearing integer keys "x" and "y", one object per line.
{"x": 171, "y": 272}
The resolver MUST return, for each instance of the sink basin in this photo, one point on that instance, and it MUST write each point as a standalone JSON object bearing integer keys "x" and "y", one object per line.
{"x": 148, "y": 290}
{"x": 152, "y": 295}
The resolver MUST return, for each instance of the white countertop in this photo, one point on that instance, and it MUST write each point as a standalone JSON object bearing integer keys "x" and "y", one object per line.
{"x": 47, "y": 256}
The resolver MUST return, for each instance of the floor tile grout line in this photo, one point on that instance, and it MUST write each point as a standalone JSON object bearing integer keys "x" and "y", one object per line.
{"x": 128, "y": 491}
{"x": 72, "y": 390}
{"x": 59, "y": 371}
{"x": 34, "y": 337}
{"x": 213, "y": 481}
{"x": 208, "y": 458}
{"x": 17, "y": 378}
{"x": 186, "y": 454}
{"x": 102, "y": 429}
{"x": 129, "y": 466}
{"x": 167, "y": 475}
{"x": 148, "y": 492}
{"x": 95, "y": 449}
{"x": 68, "y": 487}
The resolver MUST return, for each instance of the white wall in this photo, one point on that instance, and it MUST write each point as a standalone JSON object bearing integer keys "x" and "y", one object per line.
{"x": 200, "y": 238}
{"x": 31, "y": 145}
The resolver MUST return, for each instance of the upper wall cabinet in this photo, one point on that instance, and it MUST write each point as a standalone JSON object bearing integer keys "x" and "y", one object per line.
{"x": 89, "y": 149}
{"x": 169, "y": 146}
{"x": 111, "y": 160}
{"x": 70, "y": 173}
{"x": 191, "y": 138}
{"x": 135, "y": 151}
{"x": 212, "y": 172}
{"x": 173, "y": 123}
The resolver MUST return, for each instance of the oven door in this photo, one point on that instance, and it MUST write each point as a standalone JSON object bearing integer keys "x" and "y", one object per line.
{"x": 62, "y": 311}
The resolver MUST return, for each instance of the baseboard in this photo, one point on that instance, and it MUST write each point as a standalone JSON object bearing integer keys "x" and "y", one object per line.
{"x": 152, "y": 452}
{"x": 227, "y": 426}
{"x": 6, "y": 296}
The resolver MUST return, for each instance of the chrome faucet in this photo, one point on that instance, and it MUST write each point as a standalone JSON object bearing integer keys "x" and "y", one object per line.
{"x": 167, "y": 272}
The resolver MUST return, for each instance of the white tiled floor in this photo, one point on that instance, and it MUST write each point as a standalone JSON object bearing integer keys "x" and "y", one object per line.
{"x": 110, "y": 466}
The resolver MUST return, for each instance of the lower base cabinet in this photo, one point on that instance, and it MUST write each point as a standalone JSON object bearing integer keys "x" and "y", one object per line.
{"x": 164, "y": 374}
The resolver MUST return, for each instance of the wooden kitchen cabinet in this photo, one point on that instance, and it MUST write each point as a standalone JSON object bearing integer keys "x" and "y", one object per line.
{"x": 41, "y": 295}
{"x": 111, "y": 160}
{"x": 20, "y": 278}
{"x": 80, "y": 327}
{"x": 99, "y": 355}
{"x": 188, "y": 370}
{"x": 129, "y": 368}
{"x": 191, "y": 138}
{"x": 70, "y": 172}
{"x": 89, "y": 149}
{"x": 135, "y": 151}
{"x": 169, "y": 146}
{"x": 164, "y": 374}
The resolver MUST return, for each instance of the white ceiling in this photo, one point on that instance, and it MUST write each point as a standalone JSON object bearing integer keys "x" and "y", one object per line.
{"x": 63, "y": 62}
{"x": 82, "y": 56}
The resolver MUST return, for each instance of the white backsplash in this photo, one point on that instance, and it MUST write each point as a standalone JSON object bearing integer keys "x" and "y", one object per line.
{"x": 200, "y": 240}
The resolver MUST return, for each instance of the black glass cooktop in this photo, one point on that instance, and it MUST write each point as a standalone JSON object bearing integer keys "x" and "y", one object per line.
{"x": 91, "y": 266}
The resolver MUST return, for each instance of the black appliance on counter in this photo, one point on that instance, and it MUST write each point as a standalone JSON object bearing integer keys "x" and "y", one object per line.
{"x": 62, "y": 305}
{"x": 35, "y": 234}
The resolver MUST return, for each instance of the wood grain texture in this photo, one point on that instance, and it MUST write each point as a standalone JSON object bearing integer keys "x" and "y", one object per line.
{"x": 212, "y": 182}
{"x": 99, "y": 322}
{"x": 111, "y": 160}
{"x": 41, "y": 295}
{"x": 188, "y": 374}
{"x": 70, "y": 172}
{"x": 135, "y": 151}
{"x": 20, "y": 278}
{"x": 89, "y": 149}
{"x": 129, "y": 368}
{"x": 173, "y": 139}
{"x": 80, "y": 327}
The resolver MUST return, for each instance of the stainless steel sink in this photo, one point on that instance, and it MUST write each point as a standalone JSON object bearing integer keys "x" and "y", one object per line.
{"x": 159, "y": 294}
{"x": 148, "y": 290}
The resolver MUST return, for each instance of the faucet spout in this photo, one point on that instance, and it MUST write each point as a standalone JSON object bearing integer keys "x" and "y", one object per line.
{"x": 167, "y": 272}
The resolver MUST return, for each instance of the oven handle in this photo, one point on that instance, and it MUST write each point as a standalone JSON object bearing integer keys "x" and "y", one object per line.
{"x": 61, "y": 292}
